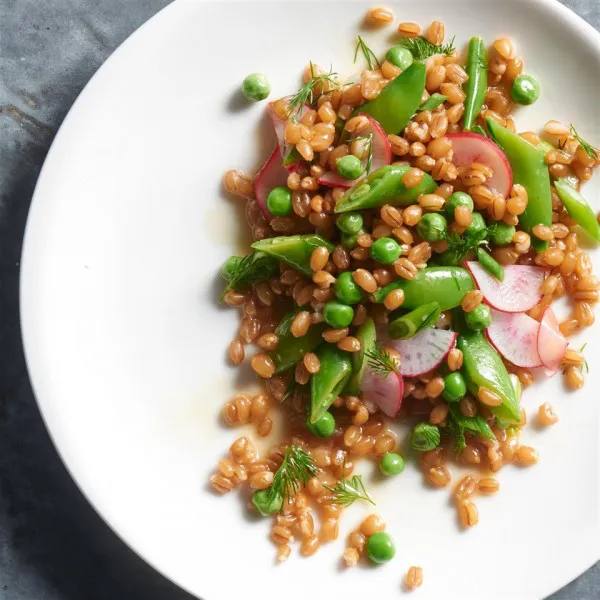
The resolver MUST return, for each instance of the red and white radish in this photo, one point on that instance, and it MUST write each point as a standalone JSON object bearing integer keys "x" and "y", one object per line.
{"x": 519, "y": 292}
{"x": 423, "y": 352}
{"x": 515, "y": 336}
{"x": 475, "y": 148}
{"x": 385, "y": 392}
{"x": 279, "y": 127}
{"x": 551, "y": 343}
{"x": 381, "y": 150}
{"x": 270, "y": 175}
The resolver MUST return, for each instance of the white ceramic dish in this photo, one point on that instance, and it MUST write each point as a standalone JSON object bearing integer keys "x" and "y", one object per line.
{"x": 125, "y": 341}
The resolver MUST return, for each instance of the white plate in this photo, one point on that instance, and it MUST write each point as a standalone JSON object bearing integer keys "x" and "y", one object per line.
{"x": 125, "y": 341}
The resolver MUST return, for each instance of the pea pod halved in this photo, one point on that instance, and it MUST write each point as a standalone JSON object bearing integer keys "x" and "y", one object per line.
{"x": 409, "y": 324}
{"x": 384, "y": 186}
{"x": 578, "y": 208}
{"x": 476, "y": 85}
{"x": 366, "y": 335}
{"x": 327, "y": 384}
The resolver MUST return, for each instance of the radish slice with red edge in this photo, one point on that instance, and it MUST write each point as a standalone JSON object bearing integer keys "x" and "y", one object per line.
{"x": 382, "y": 155}
{"x": 386, "y": 392}
{"x": 515, "y": 336}
{"x": 423, "y": 352}
{"x": 270, "y": 175}
{"x": 551, "y": 343}
{"x": 279, "y": 127}
{"x": 475, "y": 148}
{"x": 519, "y": 292}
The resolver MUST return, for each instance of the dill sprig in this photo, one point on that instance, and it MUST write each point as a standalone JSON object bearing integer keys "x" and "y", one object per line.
{"x": 368, "y": 150}
{"x": 367, "y": 53}
{"x": 347, "y": 491}
{"x": 590, "y": 150}
{"x": 422, "y": 48}
{"x": 306, "y": 94}
{"x": 295, "y": 471}
{"x": 462, "y": 245}
{"x": 585, "y": 362}
{"x": 241, "y": 272}
{"x": 381, "y": 362}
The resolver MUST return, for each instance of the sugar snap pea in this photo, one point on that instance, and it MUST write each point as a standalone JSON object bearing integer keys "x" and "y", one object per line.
{"x": 409, "y": 324}
{"x": 490, "y": 264}
{"x": 476, "y": 85}
{"x": 578, "y": 208}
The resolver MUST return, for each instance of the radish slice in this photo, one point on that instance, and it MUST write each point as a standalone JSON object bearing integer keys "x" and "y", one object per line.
{"x": 279, "y": 126}
{"x": 473, "y": 147}
{"x": 519, "y": 291}
{"x": 271, "y": 175}
{"x": 386, "y": 392}
{"x": 423, "y": 352}
{"x": 551, "y": 343}
{"x": 382, "y": 155}
{"x": 515, "y": 336}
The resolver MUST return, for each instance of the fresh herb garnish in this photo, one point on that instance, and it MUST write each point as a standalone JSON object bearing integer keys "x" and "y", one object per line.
{"x": 424, "y": 437}
{"x": 306, "y": 94}
{"x": 422, "y": 48}
{"x": 347, "y": 491}
{"x": 458, "y": 424}
{"x": 381, "y": 362}
{"x": 368, "y": 150}
{"x": 367, "y": 53}
{"x": 585, "y": 362}
{"x": 295, "y": 470}
{"x": 241, "y": 272}
{"x": 462, "y": 245}
{"x": 590, "y": 150}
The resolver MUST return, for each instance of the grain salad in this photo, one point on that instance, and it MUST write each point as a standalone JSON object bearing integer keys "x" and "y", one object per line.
{"x": 409, "y": 242}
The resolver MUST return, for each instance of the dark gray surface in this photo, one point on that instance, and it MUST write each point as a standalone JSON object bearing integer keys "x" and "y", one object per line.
{"x": 53, "y": 546}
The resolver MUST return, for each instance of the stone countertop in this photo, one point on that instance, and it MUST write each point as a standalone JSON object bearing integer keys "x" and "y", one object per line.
{"x": 53, "y": 546}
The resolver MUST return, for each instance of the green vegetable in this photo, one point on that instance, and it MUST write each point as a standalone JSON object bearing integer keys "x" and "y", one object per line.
{"x": 424, "y": 437}
{"x": 399, "y": 56}
{"x": 347, "y": 491}
{"x": 444, "y": 285}
{"x": 421, "y": 48}
{"x": 529, "y": 170}
{"x": 479, "y": 318}
{"x": 516, "y": 384}
{"x": 384, "y": 186}
{"x": 380, "y": 547}
{"x": 366, "y": 335}
{"x": 459, "y": 424}
{"x": 306, "y": 94}
{"x": 433, "y": 102}
{"x": 291, "y": 349}
{"x": 347, "y": 290}
{"x": 349, "y": 166}
{"x": 369, "y": 55}
{"x": 477, "y": 224}
{"x": 337, "y": 314}
{"x": 386, "y": 251}
{"x": 460, "y": 246}
{"x": 256, "y": 87}
{"x": 410, "y": 324}
{"x": 525, "y": 89}
{"x": 266, "y": 502}
{"x": 578, "y": 208}
{"x": 458, "y": 199}
{"x": 380, "y": 361}
{"x": 432, "y": 227}
{"x": 399, "y": 99}
{"x": 490, "y": 264}
{"x": 279, "y": 201}
{"x": 294, "y": 250}
{"x": 455, "y": 387}
{"x": 475, "y": 87}
{"x": 391, "y": 464}
{"x": 350, "y": 223}
{"x": 242, "y": 272}
{"x": 349, "y": 240}
{"x": 501, "y": 234}
{"x": 327, "y": 384}
{"x": 479, "y": 129}
{"x": 324, "y": 427}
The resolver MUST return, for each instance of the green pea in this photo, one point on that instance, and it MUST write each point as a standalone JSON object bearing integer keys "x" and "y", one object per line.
{"x": 279, "y": 201}
{"x": 399, "y": 56}
{"x": 391, "y": 464}
{"x": 349, "y": 166}
{"x": 455, "y": 387}
{"x": 350, "y": 222}
{"x": 267, "y": 502}
{"x": 256, "y": 87}
{"x": 502, "y": 234}
{"x": 380, "y": 547}
{"x": 346, "y": 289}
{"x": 324, "y": 427}
{"x": 458, "y": 199}
{"x": 337, "y": 314}
{"x": 477, "y": 224}
{"x": 386, "y": 251}
{"x": 432, "y": 227}
{"x": 525, "y": 89}
{"x": 479, "y": 318}
{"x": 349, "y": 240}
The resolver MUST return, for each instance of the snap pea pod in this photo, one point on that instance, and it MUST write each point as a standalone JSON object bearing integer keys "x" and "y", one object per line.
{"x": 578, "y": 208}
{"x": 399, "y": 99}
{"x": 490, "y": 264}
{"x": 384, "y": 186}
{"x": 476, "y": 85}
{"x": 327, "y": 384}
{"x": 529, "y": 170}
{"x": 433, "y": 102}
{"x": 291, "y": 349}
{"x": 366, "y": 335}
{"x": 294, "y": 250}
{"x": 416, "y": 320}
{"x": 444, "y": 285}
